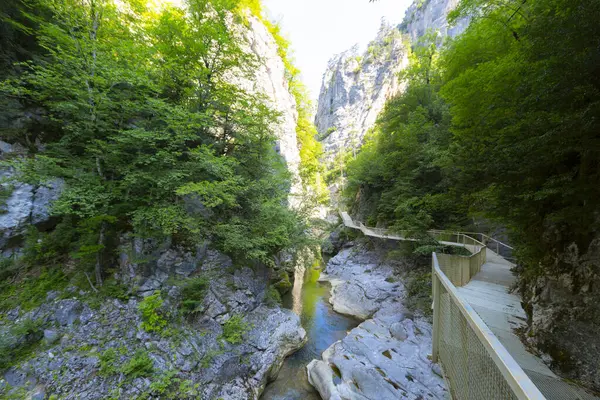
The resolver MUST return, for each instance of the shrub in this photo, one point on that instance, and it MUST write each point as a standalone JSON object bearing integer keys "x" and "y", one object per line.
{"x": 233, "y": 330}
{"x": 192, "y": 294}
{"x": 31, "y": 291}
{"x": 140, "y": 365}
{"x": 152, "y": 317}
{"x": 108, "y": 360}
{"x": 326, "y": 134}
{"x": 209, "y": 356}
{"x": 418, "y": 285}
{"x": 8, "y": 267}
{"x": 112, "y": 288}
{"x": 272, "y": 297}
{"x": 19, "y": 341}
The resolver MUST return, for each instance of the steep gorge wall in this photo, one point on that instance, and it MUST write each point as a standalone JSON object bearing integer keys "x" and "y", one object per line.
{"x": 270, "y": 80}
{"x": 356, "y": 86}
{"x": 562, "y": 302}
{"x": 201, "y": 358}
{"x": 426, "y": 15}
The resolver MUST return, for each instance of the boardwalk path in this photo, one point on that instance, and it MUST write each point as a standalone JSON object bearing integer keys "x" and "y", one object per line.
{"x": 488, "y": 292}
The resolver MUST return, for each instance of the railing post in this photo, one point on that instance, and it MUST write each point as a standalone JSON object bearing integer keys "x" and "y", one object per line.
{"x": 436, "y": 313}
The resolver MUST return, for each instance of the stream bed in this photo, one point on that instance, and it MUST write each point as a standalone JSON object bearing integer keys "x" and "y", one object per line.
{"x": 310, "y": 300}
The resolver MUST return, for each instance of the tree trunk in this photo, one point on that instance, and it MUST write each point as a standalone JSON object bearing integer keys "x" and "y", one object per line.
{"x": 98, "y": 269}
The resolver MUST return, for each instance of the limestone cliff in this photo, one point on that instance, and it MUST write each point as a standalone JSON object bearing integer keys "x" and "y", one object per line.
{"x": 354, "y": 90}
{"x": 355, "y": 86}
{"x": 424, "y": 15}
{"x": 270, "y": 80}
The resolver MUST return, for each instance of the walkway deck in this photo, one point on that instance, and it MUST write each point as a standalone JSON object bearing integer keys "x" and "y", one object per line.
{"x": 488, "y": 293}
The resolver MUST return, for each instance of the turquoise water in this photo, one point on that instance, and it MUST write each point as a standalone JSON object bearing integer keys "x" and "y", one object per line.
{"x": 310, "y": 300}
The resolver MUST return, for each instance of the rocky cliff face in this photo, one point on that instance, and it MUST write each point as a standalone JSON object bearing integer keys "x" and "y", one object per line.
{"x": 354, "y": 90}
{"x": 25, "y": 204}
{"x": 73, "y": 335}
{"x": 270, "y": 80}
{"x": 424, "y": 15}
{"x": 565, "y": 315}
{"x": 355, "y": 86}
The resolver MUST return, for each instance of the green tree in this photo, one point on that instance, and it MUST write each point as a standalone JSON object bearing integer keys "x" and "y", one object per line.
{"x": 150, "y": 134}
{"x": 525, "y": 116}
{"x": 404, "y": 166}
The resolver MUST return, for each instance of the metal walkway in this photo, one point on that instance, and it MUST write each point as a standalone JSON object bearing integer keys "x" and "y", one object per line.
{"x": 488, "y": 294}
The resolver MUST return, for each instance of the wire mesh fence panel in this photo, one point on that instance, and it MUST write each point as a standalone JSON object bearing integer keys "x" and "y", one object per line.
{"x": 471, "y": 371}
{"x": 558, "y": 389}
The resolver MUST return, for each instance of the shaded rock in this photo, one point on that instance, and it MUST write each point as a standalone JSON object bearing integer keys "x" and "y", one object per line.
{"x": 320, "y": 375}
{"x": 360, "y": 284}
{"x": 398, "y": 332}
{"x": 334, "y": 242}
{"x": 27, "y": 204}
{"x": 51, "y": 336}
{"x": 68, "y": 311}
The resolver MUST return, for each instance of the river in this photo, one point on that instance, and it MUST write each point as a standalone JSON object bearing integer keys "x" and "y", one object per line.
{"x": 310, "y": 300}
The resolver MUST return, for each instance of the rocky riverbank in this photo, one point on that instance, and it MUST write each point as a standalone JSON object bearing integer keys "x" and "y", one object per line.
{"x": 78, "y": 345}
{"x": 388, "y": 355}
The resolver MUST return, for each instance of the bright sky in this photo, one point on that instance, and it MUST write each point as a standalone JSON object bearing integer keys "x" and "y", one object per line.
{"x": 318, "y": 29}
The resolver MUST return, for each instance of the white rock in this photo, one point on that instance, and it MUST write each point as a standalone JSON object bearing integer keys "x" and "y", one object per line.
{"x": 385, "y": 357}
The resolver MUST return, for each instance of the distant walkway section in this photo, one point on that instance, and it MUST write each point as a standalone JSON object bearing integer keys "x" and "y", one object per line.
{"x": 475, "y": 320}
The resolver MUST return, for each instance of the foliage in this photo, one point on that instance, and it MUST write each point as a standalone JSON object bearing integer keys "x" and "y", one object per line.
{"x": 272, "y": 297}
{"x": 108, "y": 359}
{"x": 523, "y": 84}
{"x": 502, "y": 126}
{"x": 5, "y": 193}
{"x": 418, "y": 296}
{"x": 153, "y": 318}
{"x": 114, "y": 289}
{"x": 326, "y": 134}
{"x": 31, "y": 290}
{"x": 137, "y": 115}
{"x": 169, "y": 386}
{"x": 209, "y": 356}
{"x": 234, "y": 329}
{"x": 404, "y": 164}
{"x": 18, "y": 341}
{"x": 140, "y": 365}
{"x": 192, "y": 294}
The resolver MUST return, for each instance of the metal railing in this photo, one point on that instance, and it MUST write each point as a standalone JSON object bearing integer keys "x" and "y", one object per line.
{"x": 460, "y": 269}
{"x": 449, "y": 237}
{"x": 495, "y": 245}
{"x": 477, "y": 366}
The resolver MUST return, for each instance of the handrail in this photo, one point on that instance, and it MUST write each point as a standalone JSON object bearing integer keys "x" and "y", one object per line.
{"x": 490, "y": 238}
{"x": 485, "y": 239}
{"x": 387, "y": 234}
{"x": 462, "y": 268}
{"x": 522, "y": 387}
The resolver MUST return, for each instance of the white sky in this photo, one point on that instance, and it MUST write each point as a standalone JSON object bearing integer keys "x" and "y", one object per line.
{"x": 318, "y": 29}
